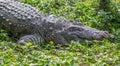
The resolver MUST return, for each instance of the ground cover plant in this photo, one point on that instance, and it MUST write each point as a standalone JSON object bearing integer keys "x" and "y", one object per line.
{"x": 95, "y": 53}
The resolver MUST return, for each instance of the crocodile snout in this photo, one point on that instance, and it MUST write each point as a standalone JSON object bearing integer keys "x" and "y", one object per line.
{"x": 99, "y": 35}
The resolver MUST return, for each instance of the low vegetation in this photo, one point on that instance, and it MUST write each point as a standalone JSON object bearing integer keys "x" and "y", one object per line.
{"x": 95, "y": 53}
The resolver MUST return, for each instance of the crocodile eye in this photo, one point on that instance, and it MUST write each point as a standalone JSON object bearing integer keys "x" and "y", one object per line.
{"x": 74, "y": 28}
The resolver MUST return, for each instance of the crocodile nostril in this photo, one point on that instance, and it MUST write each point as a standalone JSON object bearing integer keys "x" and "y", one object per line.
{"x": 106, "y": 34}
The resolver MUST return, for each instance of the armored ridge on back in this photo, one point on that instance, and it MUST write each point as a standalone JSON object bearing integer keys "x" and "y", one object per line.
{"x": 27, "y": 23}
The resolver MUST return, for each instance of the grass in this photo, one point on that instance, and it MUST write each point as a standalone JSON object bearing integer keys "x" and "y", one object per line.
{"x": 75, "y": 54}
{"x": 104, "y": 53}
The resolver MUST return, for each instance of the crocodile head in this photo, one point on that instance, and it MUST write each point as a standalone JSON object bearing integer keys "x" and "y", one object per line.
{"x": 64, "y": 31}
{"x": 82, "y": 33}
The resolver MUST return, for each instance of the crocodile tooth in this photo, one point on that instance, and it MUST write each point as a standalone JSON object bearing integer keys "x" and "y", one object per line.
{"x": 7, "y": 19}
{"x": 10, "y": 23}
{"x": 3, "y": 17}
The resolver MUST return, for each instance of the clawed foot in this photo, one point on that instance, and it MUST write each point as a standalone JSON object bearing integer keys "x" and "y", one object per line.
{"x": 35, "y": 39}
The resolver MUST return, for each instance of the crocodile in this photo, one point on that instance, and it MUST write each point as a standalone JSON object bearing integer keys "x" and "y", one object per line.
{"x": 30, "y": 25}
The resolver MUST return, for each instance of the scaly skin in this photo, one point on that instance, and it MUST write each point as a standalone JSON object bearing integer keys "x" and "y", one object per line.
{"x": 29, "y": 24}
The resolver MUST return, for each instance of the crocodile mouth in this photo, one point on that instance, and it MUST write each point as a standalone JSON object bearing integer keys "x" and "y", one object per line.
{"x": 82, "y": 33}
{"x": 99, "y": 35}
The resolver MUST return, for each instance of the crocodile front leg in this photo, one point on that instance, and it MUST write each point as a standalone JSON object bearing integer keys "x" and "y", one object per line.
{"x": 35, "y": 39}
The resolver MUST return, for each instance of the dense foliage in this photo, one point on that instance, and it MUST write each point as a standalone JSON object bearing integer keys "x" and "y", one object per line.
{"x": 89, "y": 12}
